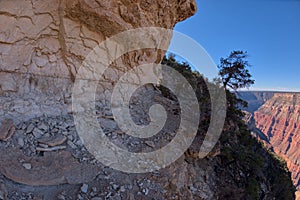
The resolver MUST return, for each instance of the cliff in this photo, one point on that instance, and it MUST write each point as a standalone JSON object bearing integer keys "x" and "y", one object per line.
{"x": 279, "y": 120}
{"x": 275, "y": 121}
{"x": 42, "y": 46}
{"x": 255, "y": 99}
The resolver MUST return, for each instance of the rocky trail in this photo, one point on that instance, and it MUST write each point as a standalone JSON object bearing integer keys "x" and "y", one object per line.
{"x": 44, "y": 158}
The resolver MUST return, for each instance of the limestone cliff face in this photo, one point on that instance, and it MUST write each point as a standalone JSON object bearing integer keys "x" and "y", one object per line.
{"x": 279, "y": 120}
{"x": 42, "y": 45}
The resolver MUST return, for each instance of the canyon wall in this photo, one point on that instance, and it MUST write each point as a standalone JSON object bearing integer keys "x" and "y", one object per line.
{"x": 275, "y": 120}
{"x": 43, "y": 44}
{"x": 279, "y": 120}
{"x": 255, "y": 99}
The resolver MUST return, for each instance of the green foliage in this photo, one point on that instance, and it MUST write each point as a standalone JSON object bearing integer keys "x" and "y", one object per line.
{"x": 252, "y": 189}
{"x": 240, "y": 152}
{"x": 234, "y": 72}
{"x": 196, "y": 80}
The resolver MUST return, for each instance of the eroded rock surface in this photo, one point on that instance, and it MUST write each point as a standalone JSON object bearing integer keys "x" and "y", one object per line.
{"x": 279, "y": 120}
{"x": 43, "y": 43}
{"x": 42, "y": 46}
{"x": 53, "y": 168}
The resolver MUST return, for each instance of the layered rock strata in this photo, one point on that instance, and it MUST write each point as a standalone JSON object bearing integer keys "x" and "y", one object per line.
{"x": 279, "y": 120}
{"x": 43, "y": 44}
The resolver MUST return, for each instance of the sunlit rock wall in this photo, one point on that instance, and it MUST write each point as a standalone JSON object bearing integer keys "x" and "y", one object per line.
{"x": 43, "y": 43}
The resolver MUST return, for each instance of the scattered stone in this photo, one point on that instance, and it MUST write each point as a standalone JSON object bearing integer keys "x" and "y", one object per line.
{"x": 30, "y": 128}
{"x": 65, "y": 133}
{"x": 150, "y": 144}
{"x": 122, "y": 189}
{"x": 84, "y": 188}
{"x": 72, "y": 145}
{"x": 54, "y": 131}
{"x": 51, "y": 148}
{"x": 27, "y": 166}
{"x": 108, "y": 195}
{"x": 79, "y": 197}
{"x": 37, "y": 133}
{"x": 22, "y": 126}
{"x": 43, "y": 145}
{"x": 43, "y": 127}
{"x": 21, "y": 142}
{"x": 3, "y": 192}
{"x": 60, "y": 167}
{"x": 172, "y": 133}
{"x": 115, "y": 187}
{"x": 7, "y": 129}
{"x": 70, "y": 137}
{"x": 2, "y": 196}
{"x": 79, "y": 142}
{"x": 145, "y": 191}
{"x": 114, "y": 136}
{"x": 61, "y": 197}
{"x": 193, "y": 189}
{"x": 108, "y": 124}
{"x": 53, "y": 141}
{"x": 96, "y": 198}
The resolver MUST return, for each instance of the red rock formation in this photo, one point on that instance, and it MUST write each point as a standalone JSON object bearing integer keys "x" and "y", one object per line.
{"x": 279, "y": 120}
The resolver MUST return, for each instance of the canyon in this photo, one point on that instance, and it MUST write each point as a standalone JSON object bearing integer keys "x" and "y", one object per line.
{"x": 276, "y": 115}
{"x": 43, "y": 44}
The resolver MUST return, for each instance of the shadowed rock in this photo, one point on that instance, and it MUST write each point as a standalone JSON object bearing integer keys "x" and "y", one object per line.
{"x": 7, "y": 129}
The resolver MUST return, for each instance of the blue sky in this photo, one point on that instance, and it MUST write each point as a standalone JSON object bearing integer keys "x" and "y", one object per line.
{"x": 269, "y": 30}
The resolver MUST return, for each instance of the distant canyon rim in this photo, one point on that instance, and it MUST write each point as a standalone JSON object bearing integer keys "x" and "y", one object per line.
{"x": 276, "y": 121}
